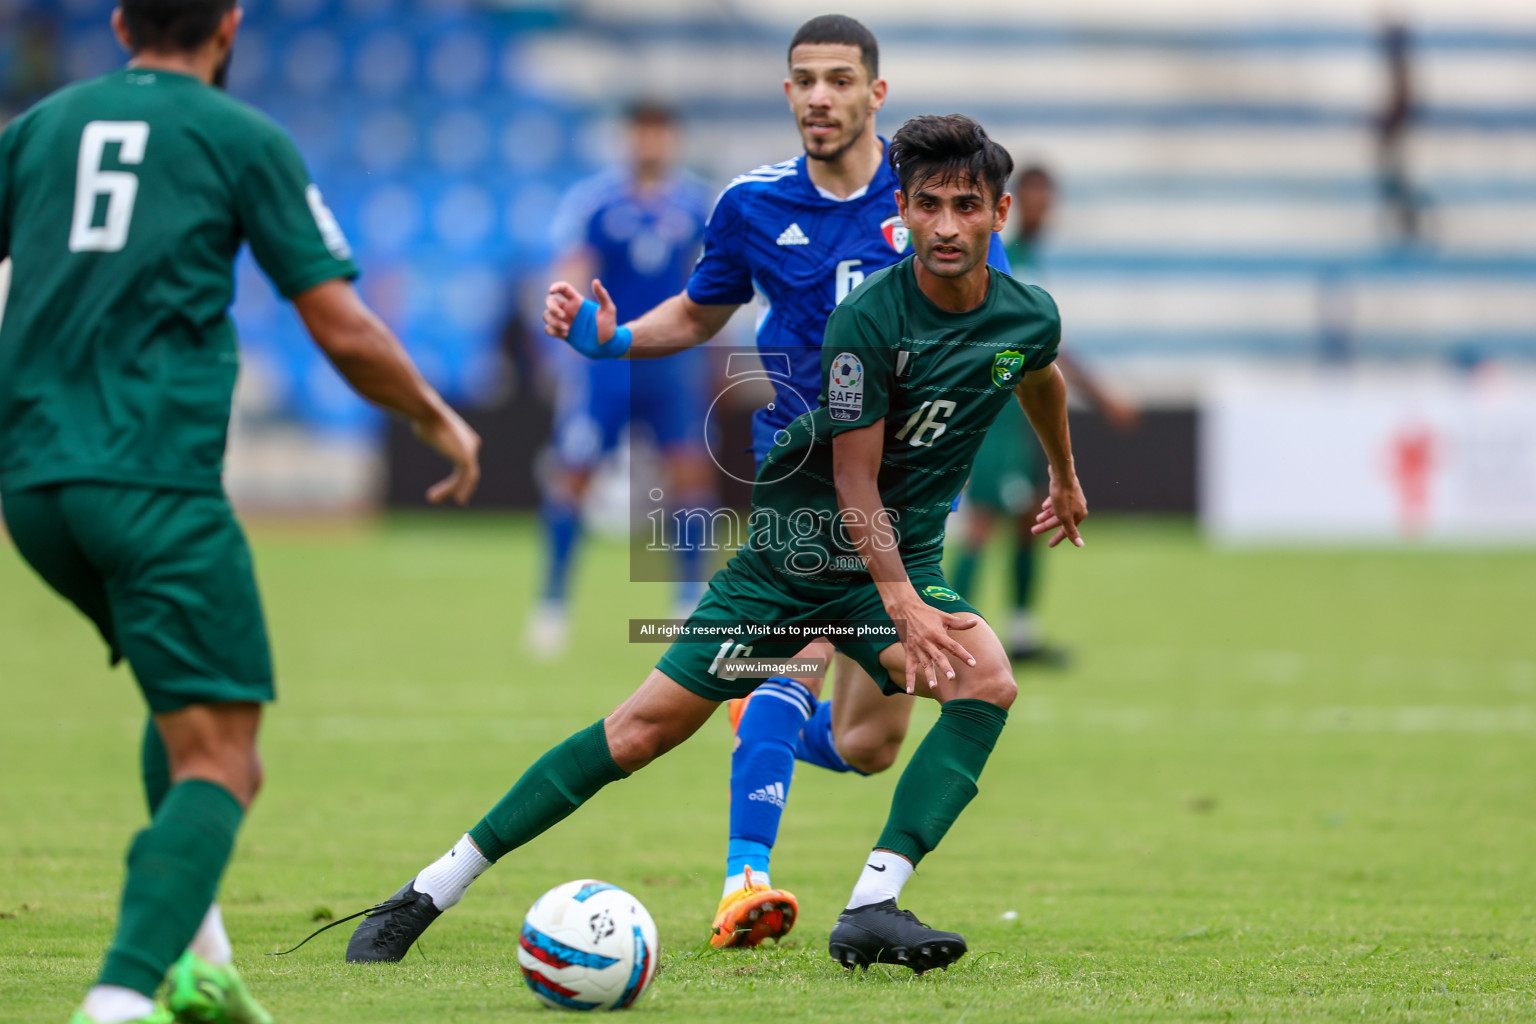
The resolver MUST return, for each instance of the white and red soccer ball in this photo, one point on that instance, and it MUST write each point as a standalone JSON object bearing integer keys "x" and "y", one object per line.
{"x": 588, "y": 945}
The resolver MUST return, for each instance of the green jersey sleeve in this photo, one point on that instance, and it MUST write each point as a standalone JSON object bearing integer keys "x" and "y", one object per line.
{"x": 7, "y": 146}
{"x": 292, "y": 232}
{"x": 857, "y": 370}
{"x": 1044, "y": 354}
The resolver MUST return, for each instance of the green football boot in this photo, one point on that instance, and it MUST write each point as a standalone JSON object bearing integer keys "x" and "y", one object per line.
{"x": 203, "y": 993}
{"x": 160, "y": 1016}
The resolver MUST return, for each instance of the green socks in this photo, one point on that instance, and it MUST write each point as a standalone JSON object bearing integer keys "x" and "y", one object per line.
{"x": 154, "y": 766}
{"x": 964, "y": 576}
{"x": 1023, "y": 573}
{"x": 553, "y": 786}
{"x": 174, "y": 868}
{"x": 940, "y": 780}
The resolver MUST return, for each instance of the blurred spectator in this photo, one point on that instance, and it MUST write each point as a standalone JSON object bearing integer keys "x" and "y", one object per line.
{"x": 1392, "y": 135}
{"x": 29, "y": 59}
{"x": 637, "y": 228}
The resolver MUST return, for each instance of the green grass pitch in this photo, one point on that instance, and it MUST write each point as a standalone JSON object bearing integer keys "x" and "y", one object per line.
{"x": 1273, "y": 786}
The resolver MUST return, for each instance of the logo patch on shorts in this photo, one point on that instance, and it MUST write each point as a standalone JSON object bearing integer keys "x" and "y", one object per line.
{"x": 1006, "y": 367}
{"x": 845, "y": 387}
{"x": 940, "y": 593}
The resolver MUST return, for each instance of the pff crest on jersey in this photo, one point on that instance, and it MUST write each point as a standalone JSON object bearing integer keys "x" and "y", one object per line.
{"x": 1006, "y": 367}
{"x": 896, "y": 234}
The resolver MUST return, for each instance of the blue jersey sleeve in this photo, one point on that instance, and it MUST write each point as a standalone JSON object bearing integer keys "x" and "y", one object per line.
{"x": 997, "y": 255}
{"x": 722, "y": 276}
{"x": 571, "y": 226}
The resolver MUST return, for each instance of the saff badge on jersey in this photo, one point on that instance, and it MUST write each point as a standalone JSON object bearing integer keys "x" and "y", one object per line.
{"x": 845, "y": 388}
{"x": 895, "y": 232}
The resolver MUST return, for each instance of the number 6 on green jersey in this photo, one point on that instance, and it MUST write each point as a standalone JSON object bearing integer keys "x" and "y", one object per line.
{"x": 120, "y": 188}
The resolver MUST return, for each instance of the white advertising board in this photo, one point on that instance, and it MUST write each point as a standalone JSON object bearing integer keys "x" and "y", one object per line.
{"x": 1369, "y": 459}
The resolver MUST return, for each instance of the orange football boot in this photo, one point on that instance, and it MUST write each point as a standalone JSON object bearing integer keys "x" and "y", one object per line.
{"x": 736, "y": 707}
{"x": 751, "y": 914}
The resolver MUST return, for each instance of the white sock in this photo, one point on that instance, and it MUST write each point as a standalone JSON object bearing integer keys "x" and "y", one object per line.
{"x": 113, "y": 1004}
{"x": 883, "y": 876}
{"x": 447, "y": 878}
{"x": 736, "y": 883}
{"x": 1025, "y": 631}
{"x": 211, "y": 941}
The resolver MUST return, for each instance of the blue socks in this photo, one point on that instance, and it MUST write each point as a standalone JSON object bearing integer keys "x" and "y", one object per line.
{"x": 747, "y": 853}
{"x": 764, "y": 761}
{"x": 782, "y": 723}
{"x": 815, "y": 746}
{"x": 562, "y": 527}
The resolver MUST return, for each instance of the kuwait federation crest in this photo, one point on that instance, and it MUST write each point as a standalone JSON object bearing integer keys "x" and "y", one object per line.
{"x": 896, "y": 234}
{"x": 1006, "y": 367}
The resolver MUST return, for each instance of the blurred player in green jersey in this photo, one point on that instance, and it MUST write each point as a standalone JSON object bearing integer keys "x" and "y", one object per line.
{"x": 1008, "y": 480}
{"x": 123, "y": 203}
{"x": 848, "y": 517}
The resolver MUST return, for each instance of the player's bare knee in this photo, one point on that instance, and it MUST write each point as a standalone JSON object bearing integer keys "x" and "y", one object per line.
{"x": 872, "y": 747}
{"x": 873, "y": 759}
{"x": 630, "y": 743}
{"x": 995, "y": 685}
{"x": 258, "y": 776}
{"x": 635, "y": 742}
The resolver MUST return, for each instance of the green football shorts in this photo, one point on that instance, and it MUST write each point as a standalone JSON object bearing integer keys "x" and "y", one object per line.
{"x": 1009, "y": 466}
{"x": 165, "y": 575}
{"x": 734, "y": 598}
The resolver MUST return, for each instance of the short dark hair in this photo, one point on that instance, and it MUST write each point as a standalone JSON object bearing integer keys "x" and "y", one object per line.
{"x": 172, "y": 26}
{"x": 948, "y": 147}
{"x": 844, "y": 31}
{"x": 649, "y": 111}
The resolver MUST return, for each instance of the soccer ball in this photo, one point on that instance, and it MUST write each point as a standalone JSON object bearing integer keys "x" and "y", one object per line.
{"x": 588, "y": 945}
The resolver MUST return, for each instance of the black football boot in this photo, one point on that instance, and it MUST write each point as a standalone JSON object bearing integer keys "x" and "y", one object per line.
{"x": 883, "y": 933}
{"x": 388, "y": 930}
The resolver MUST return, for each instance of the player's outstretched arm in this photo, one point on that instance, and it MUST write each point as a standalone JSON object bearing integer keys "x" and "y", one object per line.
{"x": 1043, "y": 395}
{"x": 855, "y": 469}
{"x": 367, "y": 353}
{"x": 592, "y": 327}
{"x": 1121, "y": 413}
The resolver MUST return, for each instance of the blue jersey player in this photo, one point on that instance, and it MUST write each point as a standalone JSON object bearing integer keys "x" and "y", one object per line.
{"x": 637, "y": 228}
{"x": 799, "y": 236}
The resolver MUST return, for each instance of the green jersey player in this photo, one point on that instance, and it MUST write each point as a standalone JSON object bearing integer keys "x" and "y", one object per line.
{"x": 123, "y": 203}
{"x": 848, "y": 520}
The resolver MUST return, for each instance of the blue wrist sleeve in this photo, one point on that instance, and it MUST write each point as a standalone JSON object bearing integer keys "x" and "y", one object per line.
{"x": 583, "y": 335}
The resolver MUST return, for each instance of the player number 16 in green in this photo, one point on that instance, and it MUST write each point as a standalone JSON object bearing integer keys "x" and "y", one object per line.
{"x": 938, "y": 411}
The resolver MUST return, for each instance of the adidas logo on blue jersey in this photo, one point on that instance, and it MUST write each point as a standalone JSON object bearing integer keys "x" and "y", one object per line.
{"x": 772, "y": 793}
{"x": 792, "y": 235}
